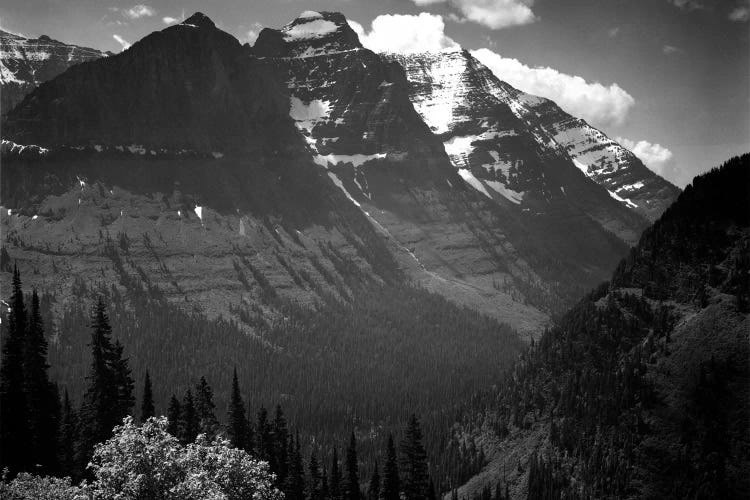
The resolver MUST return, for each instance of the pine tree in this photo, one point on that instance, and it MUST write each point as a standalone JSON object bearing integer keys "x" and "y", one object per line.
{"x": 373, "y": 490}
{"x": 14, "y": 429}
{"x": 263, "y": 436}
{"x": 414, "y": 477}
{"x": 351, "y": 481}
{"x": 315, "y": 486}
{"x": 236, "y": 419}
{"x": 280, "y": 436}
{"x": 391, "y": 480}
{"x": 67, "y": 437}
{"x": 335, "y": 481}
{"x": 147, "y": 404}
{"x": 189, "y": 424}
{"x": 109, "y": 395}
{"x": 205, "y": 409}
{"x": 325, "y": 492}
{"x": 294, "y": 487}
{"x": 174, "y": 416}
{"x": 41, "y": 398}
{"x": 250, "y": 438}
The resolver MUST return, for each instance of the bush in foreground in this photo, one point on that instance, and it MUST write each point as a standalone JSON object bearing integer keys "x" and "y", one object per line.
{"x": 146, "y": 462}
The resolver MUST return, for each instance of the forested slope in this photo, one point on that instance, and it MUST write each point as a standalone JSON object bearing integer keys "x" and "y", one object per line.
{"x": 641, "y": 390}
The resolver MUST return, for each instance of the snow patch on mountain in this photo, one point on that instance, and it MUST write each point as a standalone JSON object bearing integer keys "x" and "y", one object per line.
{"x": 308, "y": 29}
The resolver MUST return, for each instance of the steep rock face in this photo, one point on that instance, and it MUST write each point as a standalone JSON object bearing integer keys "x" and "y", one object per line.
{"x": 355, "y": 110}
{"x": 186, "y": 87}
{"x": 497, "y": 150}
{"x": 455, "y": 93}
{"x": 602, "y": 159}
{"x": 27, "y": 62}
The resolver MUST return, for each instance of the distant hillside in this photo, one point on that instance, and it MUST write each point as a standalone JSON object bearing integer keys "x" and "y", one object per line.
{"x": 641, "y": 390}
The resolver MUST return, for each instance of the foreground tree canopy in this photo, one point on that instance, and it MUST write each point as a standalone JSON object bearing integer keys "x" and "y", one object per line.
{"x": 146, "y": 462}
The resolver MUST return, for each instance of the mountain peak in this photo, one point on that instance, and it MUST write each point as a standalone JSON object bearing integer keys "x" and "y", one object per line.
{"x": 312, "y": 33}
{"x": 199, "y": 20}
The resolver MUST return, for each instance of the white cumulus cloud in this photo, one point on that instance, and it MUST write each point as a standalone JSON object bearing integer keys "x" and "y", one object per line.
{"x": 168, "y": 20}
{"x": 494, "y": 14}
{"x": 405, "y": 33}
{"x": 138, "y": 11}
{"x": 124, "y": 43}
{"x": 654, "y": 156}
{"x": 740, "y": 14}
{"x": 600, "y": 105}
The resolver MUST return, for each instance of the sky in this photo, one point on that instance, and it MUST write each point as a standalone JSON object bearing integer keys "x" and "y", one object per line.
{"x": 668, "y": 79}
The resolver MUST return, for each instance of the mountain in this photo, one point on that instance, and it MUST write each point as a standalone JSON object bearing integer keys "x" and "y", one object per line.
{"x": 640, "y": 391}
{"x": 519, "y": 146}
{"x": 27, "y": 62}
{"x": 285, "y": 209}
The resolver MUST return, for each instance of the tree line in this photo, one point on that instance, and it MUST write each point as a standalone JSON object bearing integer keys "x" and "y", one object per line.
{"x": 43, "y": 432}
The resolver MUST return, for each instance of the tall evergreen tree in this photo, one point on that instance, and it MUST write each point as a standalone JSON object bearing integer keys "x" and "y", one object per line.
{"x": 236, "y": 419}
{"x": 351, "y": 480}
{"x": 67, "y": 437}
{"x": 335, "y": 481}
{"x": 263, "y": 445}
{"x": 189, "y": 424}
{"x": 174, "y": 416}
{"x": 206, "y": 409}
{"x": 147, "y": 404}
{"x": 373, "y": 489}
{"x": 414, "y": 478}
{"x": 391, "y": 480}
{"x": 325, "y": 492}
{"x": 294, "y": 487}
{"x": 250, "y": 438}
{"x": 280, "y": 435}
{"x": 109, "y": 395}
{"x": 315, "y": 485}
{"x": 41, "y": 397}
{"x": 14, "y": 429}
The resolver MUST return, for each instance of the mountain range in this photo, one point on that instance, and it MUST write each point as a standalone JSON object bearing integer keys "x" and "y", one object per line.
{"x": 490, "y": 212}
{"x": 362, "y": 235}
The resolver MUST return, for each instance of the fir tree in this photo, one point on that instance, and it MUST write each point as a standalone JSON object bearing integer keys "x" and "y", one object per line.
{"x": 205, "y": 409}
{"x": 280, "y": 435}
{"x": 109, "y": 395}
{"x": 315, "y": 485}
{"x": 325, "y": 492}
{"x": 373, "y": 489}
{"x": 147, "y": 404}
{"x": 174, "y": 415}
{"x": 41, "y": 397}
{"x": 294, "y": 487}
{"x": 263, "y": 445}
{"x": 189, "y": 424}
{"x": 67, "y": 437}
{"x": 14, "y": 429}
{"x": 414, "y": 477}
{"x": 391, "y": 480}
{"x": 236, "y": 419}
{"x": 335, "y": 481}
{"x": 351, "y": 481}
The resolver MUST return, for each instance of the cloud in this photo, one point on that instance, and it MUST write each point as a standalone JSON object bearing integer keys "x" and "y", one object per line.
{"x": 671, "y": 49}
{"x": 600, "y": 105}
{"x": 741, "y": 13}
{"x": 168, "y": 20}
{"x": 405, "y": 34}
{"x": 138, "y": 11}
{"x": 494, "y": 14}
{"x": 121, "y": 41}
{"x": 252, "y": 34}
{"x": 654, "y": 156}
{"x": 687, "y": 4}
